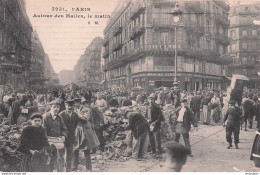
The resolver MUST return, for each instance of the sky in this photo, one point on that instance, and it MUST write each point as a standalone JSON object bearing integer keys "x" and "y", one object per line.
{"x": 66, "y": 39}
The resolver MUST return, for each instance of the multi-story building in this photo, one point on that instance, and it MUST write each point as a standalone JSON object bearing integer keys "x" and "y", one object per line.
{"x": 244, "y": 35}
{"x": 15, "y": 43}
{"x": 66, "y": 77}
{"x": 87, "y": 70}
{"x": 37, "y": 62}
{"x": 78, "y": 70}
{"x": 51, "y": 78}
{"x": 139, "y": 44}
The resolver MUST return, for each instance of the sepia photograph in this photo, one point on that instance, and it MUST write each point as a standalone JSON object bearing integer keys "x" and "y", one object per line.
{"x": 129, "y": 86}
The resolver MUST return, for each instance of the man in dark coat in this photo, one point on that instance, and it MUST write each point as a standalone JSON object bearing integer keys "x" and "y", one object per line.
{"x": 154, "y": 117}
{"x": 249, "y": 111}
{"x": 140, "y": 130}
{"x": 113, "y": 102}
{"x": 55, "y": 127}
{"x": 14, "y": 111}
{"x": 233, "y": 123}
{"x": 195, "y": 106}
{"x": 71, "y": 119}
{"x": 185, "y": 118}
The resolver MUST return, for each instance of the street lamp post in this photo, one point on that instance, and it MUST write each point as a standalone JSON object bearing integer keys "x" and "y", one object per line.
{"x": 177, "y": 13}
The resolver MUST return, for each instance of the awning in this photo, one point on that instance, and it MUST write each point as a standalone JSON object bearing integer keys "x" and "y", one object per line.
{"x": 102, "y": 82}
{"x": 229, "y": 78}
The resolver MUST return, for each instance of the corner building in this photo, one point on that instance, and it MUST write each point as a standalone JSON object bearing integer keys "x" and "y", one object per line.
{"x": 139, "y": 45}
{"x": 244, "y": 35}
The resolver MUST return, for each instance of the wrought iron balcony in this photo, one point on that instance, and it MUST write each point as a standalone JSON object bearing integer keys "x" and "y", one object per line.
{"x": 105, "y": 54}
{"x": 222, "y": 38}
{"x": 105, "y": 41}
{"x": 193, "y": 26}
{"x": 223, "y": 19}
{"x": 117, "y": 30}
{"x": 136, "y": 11}
{"x": 136, "y": 31}
{"x": 194, "y": 6}
{"x": 117, "y": 46}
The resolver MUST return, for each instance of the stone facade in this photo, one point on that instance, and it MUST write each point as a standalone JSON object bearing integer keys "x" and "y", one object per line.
{"x": 139, "y": 45}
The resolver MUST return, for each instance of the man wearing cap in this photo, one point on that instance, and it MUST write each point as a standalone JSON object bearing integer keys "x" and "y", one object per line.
{"x": 154, "y": 117}
{"x": 185, "y": 118}
{"x": 55, "y": 127}
{"x": 32, "y": 143}
{"x": 233, "y": 123}
{"x": 71, "y": 119}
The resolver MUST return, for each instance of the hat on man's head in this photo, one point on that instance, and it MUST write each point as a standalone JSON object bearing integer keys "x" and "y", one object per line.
{"x": 176, "y": 149}
{"x": 55, "y": 102}
{"x": 36, "y": 116}
{"x": 84, "y": 100}
{"x": 152, "y": 96}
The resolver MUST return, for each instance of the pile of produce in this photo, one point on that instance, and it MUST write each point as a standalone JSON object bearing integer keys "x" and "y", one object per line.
{"x": 10, "y": 159}
{"x": 115, "y": 129}
{"x": 168, "y": 125}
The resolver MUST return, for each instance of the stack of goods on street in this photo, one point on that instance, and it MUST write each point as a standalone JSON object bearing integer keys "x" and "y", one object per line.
{"x": 235, "y": 91}
{"x": 10, "y": 159}
{"x": 115, "y": 130}
{"x": 168, "y": 126}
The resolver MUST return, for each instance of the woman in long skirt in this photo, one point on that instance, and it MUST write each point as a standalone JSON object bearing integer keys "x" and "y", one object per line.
{"x": 205, "y": 117}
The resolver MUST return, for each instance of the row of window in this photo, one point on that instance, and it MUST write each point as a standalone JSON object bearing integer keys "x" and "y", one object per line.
{"x": 244, "y": 32}
{"x": 167, "y": 64}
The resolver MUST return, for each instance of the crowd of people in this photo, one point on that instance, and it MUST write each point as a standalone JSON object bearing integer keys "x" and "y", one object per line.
{"x": 65, "y": 122}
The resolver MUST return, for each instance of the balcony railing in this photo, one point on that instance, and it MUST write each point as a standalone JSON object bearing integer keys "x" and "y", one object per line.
{"x": 223, "y": 4}
{"x": 222, "y": 38}
{"x": 105, "y": 54}
{"x": 169, "y": 49}
{"x": 194, "y": 27}
{"x": 136, "y": 31}
{"x": 223, "y": 19}
{"x": 117, "y": 46}
{"x": 136, "y": 11}
{"x": 194, "y": 6}
{"x": 117, "y": 30}
{"x": 106, "y": 41}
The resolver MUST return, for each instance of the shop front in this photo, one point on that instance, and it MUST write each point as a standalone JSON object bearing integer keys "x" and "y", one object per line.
{"x": 188, "y": 81}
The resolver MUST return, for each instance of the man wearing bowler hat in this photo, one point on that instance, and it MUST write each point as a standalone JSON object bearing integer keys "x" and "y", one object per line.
{"x": 71, "y": 119}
